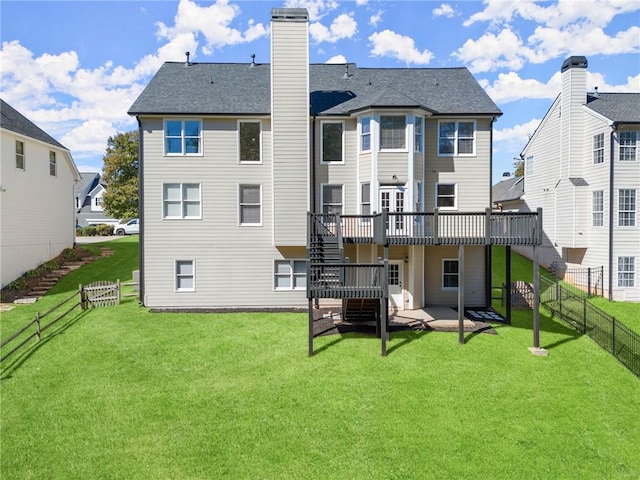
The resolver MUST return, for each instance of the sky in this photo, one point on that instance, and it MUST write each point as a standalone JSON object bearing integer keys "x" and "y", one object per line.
{"x": 75, "y": 67}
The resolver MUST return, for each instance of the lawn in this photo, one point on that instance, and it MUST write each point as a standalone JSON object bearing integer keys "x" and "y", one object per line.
{"x": 120, "y": 392}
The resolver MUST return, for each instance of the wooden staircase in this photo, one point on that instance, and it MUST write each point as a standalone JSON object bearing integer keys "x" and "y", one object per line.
{"x": 361, "y": 310}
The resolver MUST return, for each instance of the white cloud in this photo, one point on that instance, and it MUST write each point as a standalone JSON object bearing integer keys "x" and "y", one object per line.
{"x": 390, "y": 44}
{"x": 343, "y": 26}
{"x": 518, "y": 135}
{"x": 337, "y": 59}
{"x": 316, "y": 8}
{"x": 444, "y": 10}
{"x": 491, "y": 52}
{"x": 375, "y": 19}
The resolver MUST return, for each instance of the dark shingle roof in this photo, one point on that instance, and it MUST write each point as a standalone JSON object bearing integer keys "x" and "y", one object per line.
{"x": 242, "y": 89}
{"x": 617, "y": 107}
{"x": 11, "y": 119}
{"x": 510, "y": 189}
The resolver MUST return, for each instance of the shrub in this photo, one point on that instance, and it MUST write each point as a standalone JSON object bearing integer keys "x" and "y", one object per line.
{"x": 18, "y": 284}
{"x": 33, "y": 273}
{"x": 104, "y": 229}
{"x": 69, "y": 254}
{"x": 51, "y": 265}
{"x": 90, "y": 231}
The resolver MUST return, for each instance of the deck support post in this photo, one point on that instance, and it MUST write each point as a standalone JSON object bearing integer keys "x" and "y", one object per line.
{"x": 507, "y": 276}
{"x": 461, "y": 294}
{"x": 310, "y": 327}
{"x": 488, "y": 276}
{"x": 536, "y": 299}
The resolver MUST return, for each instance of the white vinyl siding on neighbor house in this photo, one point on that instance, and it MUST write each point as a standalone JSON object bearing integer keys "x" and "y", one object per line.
{"x": 290, "y": 275}
{"x": 597, "y": 208}
{"x": 332, "y": 147}
{"x": 456, "y": 138}
{"x": 628, "y": 146}
{"x": 185, "y": 276}
{"x": 598, "y": 148}
{"x": 626, "y": 272}
{"x": 181, "y": 200}
{"x": 52, "y": 164}
{"x": 250, "y": 141}
{"x": 393, "y": 132}
{"x": 250, "y": 205}
{"x": 182, "y": 137}
{"x": 626, "y": 207}
{"x": 19, "y": 155}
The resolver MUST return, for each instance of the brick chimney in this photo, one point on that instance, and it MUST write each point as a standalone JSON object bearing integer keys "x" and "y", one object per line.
{"x": 290, "y": 123}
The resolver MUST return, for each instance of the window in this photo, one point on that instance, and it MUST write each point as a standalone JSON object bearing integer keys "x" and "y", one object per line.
{"x": 626, "y": 271}
{"x": 418, "y": 197}
{"x": 365, "y": 198}
{"x": 185, "y": 276}
{"x": 446, "y": 196}
{"x": 19, "y": 154}
{"x": 456, "y": 138}
{"x": 182, "y": 137}
{"x": 98, "y": 201}
{"x": 626, "y": 208}
{"x": 598, "y": 148}
{"x": 393, "y": 132}
{"x": 290, "y": 275}
{"x": 52, "y": 164}
{"x": 181, "y": 200}
{"x": 598, "y": 208}
{"x": 332, "y": 142}
{"x": 528, "y": 165}
{"x": 332, "y": 199}
{"x": 449, "y": 274}
{"x": 628, "y": 151}
{"x": 250, "y": 204}
{"x": 417, "y": 134}
{"x": 249, "y": 139}
{"x": 365, "y": 134}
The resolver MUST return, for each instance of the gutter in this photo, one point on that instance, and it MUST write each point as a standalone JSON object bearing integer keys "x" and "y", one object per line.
{"x": 312, "y": 190}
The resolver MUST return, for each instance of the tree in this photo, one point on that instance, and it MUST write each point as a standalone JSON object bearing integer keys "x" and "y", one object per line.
{"x": 518, "y": 166}
{"x": 120, "y": 173}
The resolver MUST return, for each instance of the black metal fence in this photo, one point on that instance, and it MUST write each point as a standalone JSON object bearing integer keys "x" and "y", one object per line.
{"x": 589, "y": 280}
{"x": 574, "y": 308}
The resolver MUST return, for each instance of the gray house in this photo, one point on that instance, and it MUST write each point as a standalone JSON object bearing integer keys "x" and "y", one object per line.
{"x": 88, "y": 194}
{"x": 582, "y": 168}
{"x": 276, "y": 185}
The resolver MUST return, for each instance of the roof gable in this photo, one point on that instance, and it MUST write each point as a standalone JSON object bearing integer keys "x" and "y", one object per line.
{"x": 11, "y": 119}
{"x": 617, "y": 107}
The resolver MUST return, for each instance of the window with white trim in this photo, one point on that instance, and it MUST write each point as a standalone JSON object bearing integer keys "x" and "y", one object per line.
{"x": 250, "y": 204}
{"x": 365, "y": 198}
{"x": 450, "y": 274}
{"x": 626, "y": 272}
{"x": 446, "y": 198}
{"x": 628, "y": 146}
{"x": 598, "y": 148}
{"x": 626, "y": 207}
{"x": 418, "y": 196}
{"x": 53, "y": 168}
{"x": 417, "y": 134}
{"x": 249, "y": 143}
{"x": 365, "y": 134}
{"x": 597, "y": 208}
{"x": 332, "y": 199}
{"x": 290, "y": 275}
{"x": 19, "y": 155}
{"x": 185, "y": 276}
{"x": 181, "y": 200}
{"x": 332, "y": 145}
{"x": 393, "y": 132}
{"x": 528, "y": 165}
{"x": 183, "y": 137}
{"x": 456, "y": 138}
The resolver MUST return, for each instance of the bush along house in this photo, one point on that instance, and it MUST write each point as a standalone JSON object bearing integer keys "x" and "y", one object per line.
{"x": 276, "y": 185}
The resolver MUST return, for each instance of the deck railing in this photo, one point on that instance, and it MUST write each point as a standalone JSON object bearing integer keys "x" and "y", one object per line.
{"x": 347, "y": 280}
{"x": 437, "y": 228}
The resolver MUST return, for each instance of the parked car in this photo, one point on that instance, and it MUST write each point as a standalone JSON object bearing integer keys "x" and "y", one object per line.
{"x": 129, "y": 228}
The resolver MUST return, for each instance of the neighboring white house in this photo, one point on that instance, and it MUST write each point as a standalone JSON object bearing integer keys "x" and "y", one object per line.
{"x": 37, "y": 176}
{"x": 248, "y": 170}
{"x": 582, "y": 167}
{"x": 88, "y": 201}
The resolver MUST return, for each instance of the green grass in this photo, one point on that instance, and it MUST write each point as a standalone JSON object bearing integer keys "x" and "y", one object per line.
{"x": 122, "y": 393}
{"x": 625, "y": 312}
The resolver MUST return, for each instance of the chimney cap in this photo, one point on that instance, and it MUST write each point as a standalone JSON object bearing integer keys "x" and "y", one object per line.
{"x": 574, "y": 62}
{"x": 289, "y": 15}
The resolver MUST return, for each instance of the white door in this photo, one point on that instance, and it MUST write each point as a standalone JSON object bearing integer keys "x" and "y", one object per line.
{"x": 392, "y": 202}
{"x": 396, "y": 291}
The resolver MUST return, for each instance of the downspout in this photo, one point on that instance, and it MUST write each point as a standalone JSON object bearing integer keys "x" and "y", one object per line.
{"x": 140, "y": 211}
{"x": 312, "y": 190}
{"x": 611, "y": 162}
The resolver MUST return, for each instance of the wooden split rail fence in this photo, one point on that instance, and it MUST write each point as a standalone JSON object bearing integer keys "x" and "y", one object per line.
{"x": 95, "y": 295}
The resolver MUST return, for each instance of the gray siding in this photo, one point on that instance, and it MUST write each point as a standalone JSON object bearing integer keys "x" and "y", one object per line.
{"x": 473, "y": 270}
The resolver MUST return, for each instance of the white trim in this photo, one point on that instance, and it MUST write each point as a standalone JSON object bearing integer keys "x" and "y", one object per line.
{"x": 175, "y": 276}
{"x": 406, "y": 132}
{"x": 343, "y": 140}
{"x": 260, "y": 141}
{"x": 240, "y": 224}
{"x": 182, "y": 136}
{"x": 370, "y": 117}
{"x": 449, "y": 289}
{"x": 182, "y": 200}
{"x": 342, "y": 191}
{"x": 292, "y": 274}
{"x": 456, "y": 138}
{"x": 455, "y": 196}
